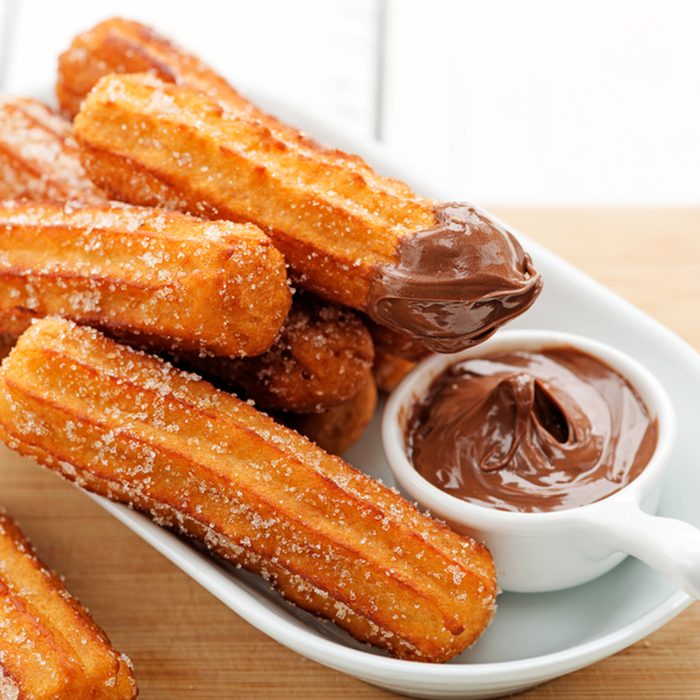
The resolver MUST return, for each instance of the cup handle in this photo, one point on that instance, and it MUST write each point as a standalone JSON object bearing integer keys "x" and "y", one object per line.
{"x": 671, "y": 547}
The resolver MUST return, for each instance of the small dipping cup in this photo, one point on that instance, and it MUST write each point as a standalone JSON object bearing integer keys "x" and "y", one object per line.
{"x": 545, "y": 551}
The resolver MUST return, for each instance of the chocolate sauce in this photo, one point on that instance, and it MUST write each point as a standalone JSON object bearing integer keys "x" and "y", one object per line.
{"x": 531, "y": 431}
{"x": 453, "y": 285}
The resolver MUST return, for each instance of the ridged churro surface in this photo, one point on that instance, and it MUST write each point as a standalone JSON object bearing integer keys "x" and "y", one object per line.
{"x": 331, "y": 539}
{"x": 444, "y": 273}
{"x": 50, "y": 648}
{"x": 159, "y": 278}
{"x": 38, "y": 157}
{"x": 321, "y": 359}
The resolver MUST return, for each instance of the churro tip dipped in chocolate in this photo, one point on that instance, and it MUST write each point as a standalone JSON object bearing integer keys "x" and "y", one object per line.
{"x": 444, "y": 273}
{"x": 453, "y": 285}
{"x": 50, "y": 648}
{"x": 154, "y": 277}
{"x": 328, "y": 537}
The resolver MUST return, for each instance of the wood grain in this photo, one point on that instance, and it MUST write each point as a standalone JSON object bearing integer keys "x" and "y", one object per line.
{"x": 186, "y": 644}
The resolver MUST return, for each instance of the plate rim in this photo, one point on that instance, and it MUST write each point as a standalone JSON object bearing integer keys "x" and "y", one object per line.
{"x": 369, "y": 665}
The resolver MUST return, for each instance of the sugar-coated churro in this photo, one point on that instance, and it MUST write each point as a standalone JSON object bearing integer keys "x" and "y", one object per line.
{"x": 339, "y": 427}
{"x": 50, "y": 648}
{"x": 38, "y": 157}
{"x": 123, "y": 46}
{"x": 445, "y": 273}
{"x": 159, "y": 278}
{"x": 320, "y": 360}
{"x": 327, "y": 536}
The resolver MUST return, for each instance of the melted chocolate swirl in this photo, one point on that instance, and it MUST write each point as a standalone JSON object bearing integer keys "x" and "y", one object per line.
{"x": 453, "y": 285}
{"x": 531, "y": 431}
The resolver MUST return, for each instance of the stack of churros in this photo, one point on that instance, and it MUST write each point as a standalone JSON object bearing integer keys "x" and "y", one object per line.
{"x": 175, "y": 228}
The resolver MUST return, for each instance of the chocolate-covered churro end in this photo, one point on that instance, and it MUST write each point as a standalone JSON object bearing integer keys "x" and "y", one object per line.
{"x": 453, "y": 285}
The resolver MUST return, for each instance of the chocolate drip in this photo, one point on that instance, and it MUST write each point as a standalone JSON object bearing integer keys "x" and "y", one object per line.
{"x": 527, "y": 431}
{"x": 453, "y": 285}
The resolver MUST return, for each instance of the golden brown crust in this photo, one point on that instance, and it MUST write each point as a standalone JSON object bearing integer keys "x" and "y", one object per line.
{"x": 390, "y": 369}
{"x": 338, "y": 428}
{"x": 327, "y": 536}
{"x": 393, "y": 342}
{"x": 38, "y": 158}
{"x": 153, "y": 277}
{"x": 123, "y": 46}
{"x": 332, "y": 217}
{"x": 50, "y": 648}
{"x": 320, "y": 360}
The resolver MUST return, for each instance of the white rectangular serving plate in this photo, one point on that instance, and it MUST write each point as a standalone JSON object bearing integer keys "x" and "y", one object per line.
{"x": 534, "y": 637}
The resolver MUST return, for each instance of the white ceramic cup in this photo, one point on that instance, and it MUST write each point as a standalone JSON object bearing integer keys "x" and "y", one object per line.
{"x": 547, "y": 551}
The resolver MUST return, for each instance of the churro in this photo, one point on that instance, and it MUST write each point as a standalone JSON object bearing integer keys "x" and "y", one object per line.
{"x": 157, "y": 278}
{"x": 38, "y": 157}
{"x": 119, "y": 45}
{"x": 445, "y": 273}
{"x": 320, "y": 360}
{"x": 339, "y": 427}
{"x": 123, "y": 46}
{"x": 327, "y": 536}
{"x": 50, "y": 648}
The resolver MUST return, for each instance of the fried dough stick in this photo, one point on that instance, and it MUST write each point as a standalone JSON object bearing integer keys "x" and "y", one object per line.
{"x": 160, "y": 278}
{"x": 339, "y": 427}
{"x": 120, "y": 45}
{"x": 320, "y": 360}
{"x": 50, "y": 648}
{"x": 38, "y": 157}
{"x": 123, "y": 46}
{"x": 444, "y": 273}
{"x": 328, "y": 537}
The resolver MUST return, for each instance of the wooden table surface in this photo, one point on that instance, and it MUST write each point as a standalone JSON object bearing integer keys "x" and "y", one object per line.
{"x": 185, "y": 644}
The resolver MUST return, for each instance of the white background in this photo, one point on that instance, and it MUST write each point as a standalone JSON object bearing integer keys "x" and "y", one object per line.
{"x": 502, "y": 101}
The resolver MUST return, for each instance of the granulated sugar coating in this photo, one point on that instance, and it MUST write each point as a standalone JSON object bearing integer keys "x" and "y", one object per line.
{"x": 327, "y": 536}
{"x": 442, "y": 272}
{"x": 321, "y": 359}
{"x": 38, "y": 157}
{"x": 158, "y": 278}
{"x": 49, "y": 645}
